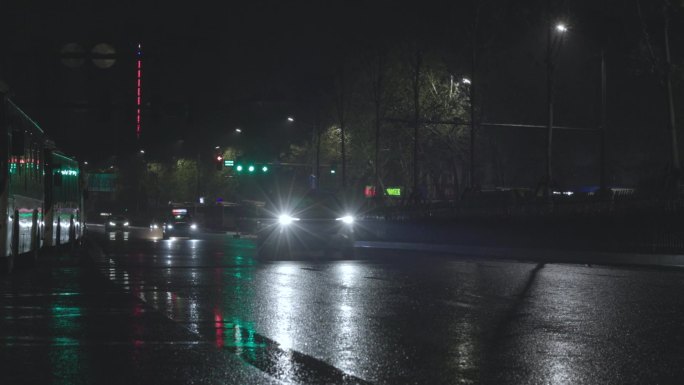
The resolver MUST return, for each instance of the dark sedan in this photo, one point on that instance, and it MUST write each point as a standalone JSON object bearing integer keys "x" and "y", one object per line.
{"x": 316, "y": 223}
{"x": 116, "y": 223}
{"x": 179, "y": 226}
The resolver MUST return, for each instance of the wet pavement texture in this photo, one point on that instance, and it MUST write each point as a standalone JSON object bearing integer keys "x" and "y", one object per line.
{"x": 206, "y": 311}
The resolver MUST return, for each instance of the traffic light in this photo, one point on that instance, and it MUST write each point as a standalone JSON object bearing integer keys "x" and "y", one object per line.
{"x": 219, "y": 162}
{"x": 251, "y": 168}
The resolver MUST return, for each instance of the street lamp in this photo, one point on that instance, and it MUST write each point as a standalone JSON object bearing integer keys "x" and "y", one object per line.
{"x": 315, "y": 137}
{"x": 471, "y": 96}
{"x": 552, "y": 41}
{"x": 238, "y": 130}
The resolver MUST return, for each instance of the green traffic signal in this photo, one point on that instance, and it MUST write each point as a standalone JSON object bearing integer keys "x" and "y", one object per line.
{"x": 252, "y": 168}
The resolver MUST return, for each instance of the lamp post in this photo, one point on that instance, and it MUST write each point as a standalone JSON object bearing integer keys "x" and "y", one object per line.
{"x": 315, "y": 138}
{"x": 471, "y": 96}
{"x": 554, "y": 36}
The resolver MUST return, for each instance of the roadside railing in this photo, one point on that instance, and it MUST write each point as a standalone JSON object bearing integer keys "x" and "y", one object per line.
{"x": 623, "y": 223}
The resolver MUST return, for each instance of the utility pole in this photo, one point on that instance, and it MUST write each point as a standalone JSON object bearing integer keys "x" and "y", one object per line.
{"x": 318, "y": 152}
{"x": 197, "y": 196}
{"x": 604, "y": 123}
{"x": 341, "y": 104}
{"x": 472, "y": 113}
{"x": 416, "y": 119}
{"x": 549, "y": 101}
{"x": 670, "y": 102}
{"x": 378, "y": 122}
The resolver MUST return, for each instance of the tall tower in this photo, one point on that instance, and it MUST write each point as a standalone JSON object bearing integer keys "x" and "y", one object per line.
{"x": 139, "y": 92}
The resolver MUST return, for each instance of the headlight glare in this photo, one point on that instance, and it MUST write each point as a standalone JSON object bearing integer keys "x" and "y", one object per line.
{"x": 347, "y": 219}
{"x": 286, "y": 219}
{"x": 193, "y": 226}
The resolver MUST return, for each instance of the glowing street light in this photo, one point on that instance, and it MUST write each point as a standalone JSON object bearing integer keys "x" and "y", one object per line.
{"x": 552, "y": 43}
{"x": 290, "y": 119}
{"x": 238, "y": 130}
{"x": 466, "y": 81}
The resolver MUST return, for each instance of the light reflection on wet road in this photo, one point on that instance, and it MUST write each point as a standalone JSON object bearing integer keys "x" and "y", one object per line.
{"x": 205, "y": 311}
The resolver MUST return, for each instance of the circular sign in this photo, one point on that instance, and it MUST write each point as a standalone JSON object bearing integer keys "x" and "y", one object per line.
{"x": 103, "y": 55}
{"x": 73, "y": 55}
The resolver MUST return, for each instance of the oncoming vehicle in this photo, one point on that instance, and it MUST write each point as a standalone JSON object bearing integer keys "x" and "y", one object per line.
{"x": 116, "y": 223}
{"x": 179, "y": 225}
{"x": 316, "y": 223}
{"x": 155, "y": 224}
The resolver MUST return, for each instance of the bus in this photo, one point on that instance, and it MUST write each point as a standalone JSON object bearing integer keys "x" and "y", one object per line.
{"x": 40, "y": 192}
{"x": 63, "y": 199}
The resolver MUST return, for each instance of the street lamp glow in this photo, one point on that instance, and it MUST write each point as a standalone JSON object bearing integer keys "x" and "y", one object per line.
{"x": 250, "y": 168}
{"x": 560, "y": 27}
{"x": 142, "y": 151}
{"x": 238, "y": 130}
{"x": 290, "y": 119}
{"x": 217, "y": 147}
{"x": 466, "y": 81}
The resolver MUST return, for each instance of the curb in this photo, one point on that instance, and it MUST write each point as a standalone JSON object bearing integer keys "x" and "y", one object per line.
{"x": 538, "y": 255}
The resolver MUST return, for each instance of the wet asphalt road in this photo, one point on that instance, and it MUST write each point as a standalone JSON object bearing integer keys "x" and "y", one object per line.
{"x": 205, "y": 311}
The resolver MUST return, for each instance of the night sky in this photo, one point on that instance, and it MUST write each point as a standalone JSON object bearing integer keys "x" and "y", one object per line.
{"x": 210, "y": 69}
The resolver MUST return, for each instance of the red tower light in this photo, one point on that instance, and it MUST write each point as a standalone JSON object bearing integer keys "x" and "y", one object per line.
{"x": 139, "y": 92}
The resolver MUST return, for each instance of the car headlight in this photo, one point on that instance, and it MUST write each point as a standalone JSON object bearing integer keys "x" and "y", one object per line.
{"x": 169, "y": 226}
{"x": 112, "y": 224}
{"x": 193, "y": 226}
{"x": 126, "y": 224}
{"x": 286, "y": 219}
{"x": 154, "y": 226}
{"x": 347, "y": 219}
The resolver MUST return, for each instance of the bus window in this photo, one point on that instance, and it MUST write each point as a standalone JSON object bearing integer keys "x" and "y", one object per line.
{"x": 57, "y": 173}
{"x": 18, "y": 143}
